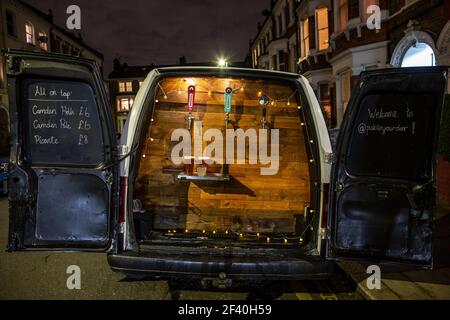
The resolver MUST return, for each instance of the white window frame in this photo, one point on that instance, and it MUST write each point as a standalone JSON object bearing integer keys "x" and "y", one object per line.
{"x": 318, "y": 29}
{"x": 30, "y": 38}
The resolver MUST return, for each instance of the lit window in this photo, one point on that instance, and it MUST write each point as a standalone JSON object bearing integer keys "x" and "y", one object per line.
{"x": 322, "y": 28}
{"x": 419, "y": 55}
{"x": 125, "y": 86}
{"x": 124, "y": 104}
{"x": 366, "y": 4}
{"x": 29, "y": 33}
{"x": 43, "y": 41}
{"x": 305, "y": 38}
{"x": 11, "y": 28}
{"x": 343, "y": 14}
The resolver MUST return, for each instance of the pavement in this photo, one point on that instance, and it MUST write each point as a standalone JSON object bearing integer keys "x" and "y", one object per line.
{"x": 402, "y": 283}
{"x": 42, "y": 275}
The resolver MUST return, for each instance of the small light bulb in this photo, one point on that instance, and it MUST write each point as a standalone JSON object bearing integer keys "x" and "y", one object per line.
{"x": 303, "y": 124}
{"x": 299, "y": 107}
{"x": 179, "y": 91}
{"x": 288, "y": 103}
{"x": 143, "y": 156}
{"x": 242, "y": 89}
{"x": 258, "y": 234}
{"x": 153, "y": 119}
{"x": 174, "y": 231}
{"x": 301, "y": 239}
{"x": 226, "y": 232}
{"x": 186, "y": 231}
{"x": 268, "y": 240}
{"x": 165, "y": 97}
{"x": 260, "y": 93}
{"x": 241, "y": 235}
{"x": 311, "y": 161}
{"x": 151, "y": 139}
{"x": 285, "y": 241}
{"x": 209, "y": 92}
{"x": 311, "y": 141}
{"x": 272, "y": 103}
{"x": 214, "y": 232}
{"x": 156, "y": 100}
{"x": 204, "y": 231}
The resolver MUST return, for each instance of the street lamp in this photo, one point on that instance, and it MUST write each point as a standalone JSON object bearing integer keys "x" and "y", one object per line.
{"x": 222, "y": 63}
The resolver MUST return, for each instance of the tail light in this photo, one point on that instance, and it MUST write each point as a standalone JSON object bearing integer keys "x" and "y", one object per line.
{"x": 325, "y": 195}
{"x": 123, "y": 202}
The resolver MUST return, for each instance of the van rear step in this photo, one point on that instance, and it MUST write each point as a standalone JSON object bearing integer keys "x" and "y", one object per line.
{"x": 167, "y": 264}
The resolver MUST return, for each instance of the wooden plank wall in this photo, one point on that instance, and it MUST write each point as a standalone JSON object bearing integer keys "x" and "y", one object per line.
{"x": 249, "y": 202}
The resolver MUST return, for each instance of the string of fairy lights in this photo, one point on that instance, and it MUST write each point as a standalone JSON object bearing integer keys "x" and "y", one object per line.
{"x": 248, "y": 236}
{"x": 241, "y": 89}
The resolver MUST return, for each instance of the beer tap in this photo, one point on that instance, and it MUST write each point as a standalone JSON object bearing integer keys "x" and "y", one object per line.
{"x": 191, "y": 119}
{"x": 191, "y": 101}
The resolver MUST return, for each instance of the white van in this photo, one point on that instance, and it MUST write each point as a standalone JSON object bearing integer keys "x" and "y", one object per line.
{"x": 220, "y": 213}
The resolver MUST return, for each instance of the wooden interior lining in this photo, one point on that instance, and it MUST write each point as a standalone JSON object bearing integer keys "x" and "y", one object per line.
{"x": 249, "y": 202}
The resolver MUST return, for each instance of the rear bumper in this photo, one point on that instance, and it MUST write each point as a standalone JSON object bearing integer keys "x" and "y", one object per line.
{"x": 235, "y": 267}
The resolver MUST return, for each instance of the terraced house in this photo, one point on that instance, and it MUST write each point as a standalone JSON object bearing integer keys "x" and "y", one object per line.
{"x": 24, "y": 27}
{"x": 333, "y": 43}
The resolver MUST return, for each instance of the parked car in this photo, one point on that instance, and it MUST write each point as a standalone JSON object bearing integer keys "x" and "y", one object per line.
{"x": 372, "y": 200}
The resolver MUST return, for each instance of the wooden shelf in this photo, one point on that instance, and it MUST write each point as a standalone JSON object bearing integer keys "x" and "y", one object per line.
{"x": 208, "y": 177}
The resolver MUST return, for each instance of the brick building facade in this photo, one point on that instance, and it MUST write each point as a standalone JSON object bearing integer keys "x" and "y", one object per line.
{"x": 333, "y": 43}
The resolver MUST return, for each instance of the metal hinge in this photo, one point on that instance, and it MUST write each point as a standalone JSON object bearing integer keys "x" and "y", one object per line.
{"x": 122, "y": 150}
{"x": 324, "y": 233}
{"x": 329, "y": 158}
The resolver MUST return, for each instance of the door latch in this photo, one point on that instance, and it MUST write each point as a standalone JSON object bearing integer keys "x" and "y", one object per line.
{"x": 339, "y": 187}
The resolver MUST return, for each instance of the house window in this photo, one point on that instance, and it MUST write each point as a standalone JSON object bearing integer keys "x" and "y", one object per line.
{"x": 343, "y": 14}
{"x": 43, "y": 41}
{"x": 325, "y": 102}
{"x": 75, "y": 52}
{"x": 345, "y": 89}
{"x": 124, "y": 104}
{"x": 280, "y": 25}
{"x": 287, "y": 15}
{"x": 305, "y": 38}
{"x": 11, "y": 27}
{"x": 281, "y": 61}
{"x": 365, "y": 5}
{"x": 322, "y": 28}
{"x": 65, "y": 48}
{"x": 274, "y": 62}
{"x": 29, "y": 33}
{"x": 125, "y": 86}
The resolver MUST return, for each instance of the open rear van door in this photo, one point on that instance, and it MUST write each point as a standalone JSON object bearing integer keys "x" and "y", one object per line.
{"x": 63, "y": 183}
{"x": 383, "y": 180}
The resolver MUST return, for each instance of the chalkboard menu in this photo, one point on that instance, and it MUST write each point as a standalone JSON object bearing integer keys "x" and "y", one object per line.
{"x": 63, "y": 124}
{"x": 392, "y": 136}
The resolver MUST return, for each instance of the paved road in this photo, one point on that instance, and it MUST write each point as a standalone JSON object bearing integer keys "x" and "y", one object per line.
{"x": 43, "y": 276}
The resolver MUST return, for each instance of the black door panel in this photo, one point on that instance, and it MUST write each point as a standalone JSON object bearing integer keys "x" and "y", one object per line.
{"x": 64, "y": 181}
{"x": 384, "y": 177}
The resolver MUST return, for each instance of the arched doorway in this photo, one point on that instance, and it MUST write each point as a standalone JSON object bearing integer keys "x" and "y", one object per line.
{"x": 419, "y": 55}
{"x": 416, "y": 49}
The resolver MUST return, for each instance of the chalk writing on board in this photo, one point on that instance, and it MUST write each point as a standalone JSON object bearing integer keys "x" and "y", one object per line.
{"x": 404, "y": 124}
{"x": 61, "y": 119}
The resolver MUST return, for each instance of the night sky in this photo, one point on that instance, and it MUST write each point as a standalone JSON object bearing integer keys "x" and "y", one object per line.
{"x": 142, "y": 32}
